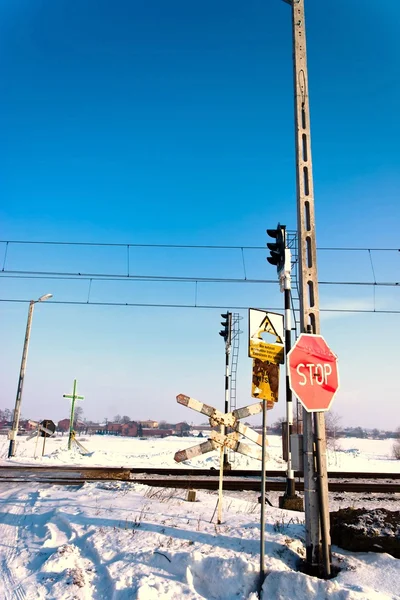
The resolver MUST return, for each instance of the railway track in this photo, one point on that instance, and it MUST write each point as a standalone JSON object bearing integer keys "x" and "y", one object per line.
{"x": 195, "y": 478}
{"x": 117, "y": 472}
{"x": 252, "y": 484}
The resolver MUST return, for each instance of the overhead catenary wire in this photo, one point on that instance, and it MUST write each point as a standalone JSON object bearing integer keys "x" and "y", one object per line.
{"x": 5, "y": 256}
{"x": 75, "y": 276}
{"x": 118, "y": 277}
{"x": 135, "y": 245}
{"x": 244, "y": 264}
{"x": 200, "y": 306}
{"x": 171, "y": 278}
{"x": 187, "y": 246}
{"x": 89, "y": 290}
{"x": 373, "y": 274}
{"x": 110, "y": 277}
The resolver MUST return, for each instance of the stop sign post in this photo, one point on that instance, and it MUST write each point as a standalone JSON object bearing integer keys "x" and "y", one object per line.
{"x": 313, "y": 372}
{"x": 47, "y": 429}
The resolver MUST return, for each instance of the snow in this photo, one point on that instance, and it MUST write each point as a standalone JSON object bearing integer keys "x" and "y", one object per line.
{"x": 364, "y": 455}
{"x": 353, "y": 454}
{"x": 121, "y": 540}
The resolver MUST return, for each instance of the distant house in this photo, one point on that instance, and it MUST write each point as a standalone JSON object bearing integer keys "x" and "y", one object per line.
{"x": 63, "y": 425}
{"x": 156, "y": 432}
{"x": 182, "y": 428}
{"x": 149, "y": 424}
{"x": 203, "y": 427}
{"x": 130, "y": 429}
{"x": 93, "y": 428}
{"x": 114, "y": 428}
{"x": 28, "y": 425}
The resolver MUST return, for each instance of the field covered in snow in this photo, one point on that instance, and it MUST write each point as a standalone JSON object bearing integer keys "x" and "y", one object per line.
{"x": 121, "y": 540}
{"x": 353, "y": 454}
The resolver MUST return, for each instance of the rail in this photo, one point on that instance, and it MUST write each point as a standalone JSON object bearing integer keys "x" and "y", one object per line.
{"x": 196, "y": 478}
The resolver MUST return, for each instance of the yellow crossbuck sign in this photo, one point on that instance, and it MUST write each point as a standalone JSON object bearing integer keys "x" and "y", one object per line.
{"x": 218, "y": 440}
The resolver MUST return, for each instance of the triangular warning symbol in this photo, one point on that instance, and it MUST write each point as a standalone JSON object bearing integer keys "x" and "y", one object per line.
{"x": 267, "y": 327}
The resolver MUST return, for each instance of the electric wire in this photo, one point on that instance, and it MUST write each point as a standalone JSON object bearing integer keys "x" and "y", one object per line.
{"x": 110, "y": 277}
{"x": 244, "y": 264}
{"x": 90, "y": 289}
{"x": 135, "y": 245}
{"x": 200, "y": 306}
{"x": 67, "y": 276}
{"x": 188, "y": 246}
{"x": 5, "y": 256}
{"x": 373, "y": 274}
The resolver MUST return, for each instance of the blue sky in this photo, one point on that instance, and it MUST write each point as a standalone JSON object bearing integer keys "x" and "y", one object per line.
{"x": 172, "y": 123}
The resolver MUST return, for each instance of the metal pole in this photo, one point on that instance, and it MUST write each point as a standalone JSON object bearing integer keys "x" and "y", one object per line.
{"x": 37, "y": 440}
{"x": 316, "y": 509}
{"x": 224, "y": 464}
{"x": 290, "y": 485}
{"x": 17, "y": 410}
{"x": 227, "y": 352}
{"x": 322, "y": 480}
{"x": 71, "y": 420}
{"x": 263, "y": 483}
{"x": 221, "y": 479}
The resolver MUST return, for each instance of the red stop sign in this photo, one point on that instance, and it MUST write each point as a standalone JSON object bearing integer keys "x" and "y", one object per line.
{"x": 313, "y": 372}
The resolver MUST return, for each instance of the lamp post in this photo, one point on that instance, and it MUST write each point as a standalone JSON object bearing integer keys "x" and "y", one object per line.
{"x": 17, "y": 410}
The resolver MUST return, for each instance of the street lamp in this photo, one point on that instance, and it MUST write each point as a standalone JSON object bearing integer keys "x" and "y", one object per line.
{"x": 17, "y": 410}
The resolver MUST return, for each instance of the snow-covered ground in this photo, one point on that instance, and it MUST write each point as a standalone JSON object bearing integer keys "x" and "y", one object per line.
{"x": 353, "y": 454}
{"x": 120, "y": 540}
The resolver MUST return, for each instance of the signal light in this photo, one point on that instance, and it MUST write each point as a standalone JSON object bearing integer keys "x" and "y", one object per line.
{"x": 277, "y": 249}
{"x": 227, "y": 327}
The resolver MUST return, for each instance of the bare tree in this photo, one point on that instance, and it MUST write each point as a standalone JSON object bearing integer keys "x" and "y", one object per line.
{"x": 396, "y": 445}
{"x": 8, "y": 414}
{"x": 78, "y": 415}
{"x": 396, "y": 450}
{"x": 332, "y": 426}
{"x": 125, "y": 419}
{"x": 117, "y": 419}
{"x": 277, "y": 426}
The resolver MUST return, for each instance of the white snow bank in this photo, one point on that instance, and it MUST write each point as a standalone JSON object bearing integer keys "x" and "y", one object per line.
{"x": 122, "y": 540}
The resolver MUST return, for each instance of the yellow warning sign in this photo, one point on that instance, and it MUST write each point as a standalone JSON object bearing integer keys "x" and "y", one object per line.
{"x": 260, "y": 322}
{"x": 265, "y": 382}
{"x": 267, "y": 352}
